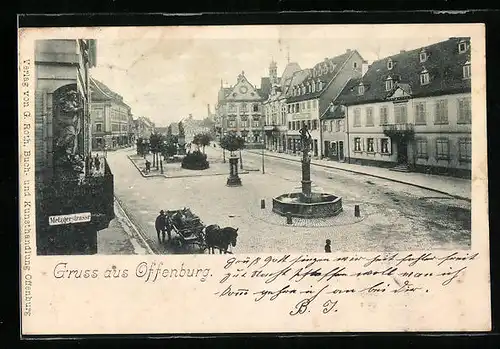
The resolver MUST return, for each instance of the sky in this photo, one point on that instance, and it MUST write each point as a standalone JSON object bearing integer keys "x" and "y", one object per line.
{"x": 168, "y": 77}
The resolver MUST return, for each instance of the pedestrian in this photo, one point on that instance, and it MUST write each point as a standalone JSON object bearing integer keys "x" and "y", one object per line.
{"x": 161, "y": 225}
{"x": 328, "y": 246}
{"x": 97, "y": 163}
{"x": 148, "y": 166}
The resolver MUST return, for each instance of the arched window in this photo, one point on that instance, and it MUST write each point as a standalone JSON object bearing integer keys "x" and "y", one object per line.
{"x": 423, "y": 56}
{"x": 424, "y": 77}
{"x": 390, "y": 64}
{"x": 389, "y": 84}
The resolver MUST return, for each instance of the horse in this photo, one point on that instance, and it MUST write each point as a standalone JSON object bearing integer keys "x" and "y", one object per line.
{"x": 220, "y": 238}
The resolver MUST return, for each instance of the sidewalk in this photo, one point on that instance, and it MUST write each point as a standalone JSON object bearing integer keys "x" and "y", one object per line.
{"x": 455, "y": 187}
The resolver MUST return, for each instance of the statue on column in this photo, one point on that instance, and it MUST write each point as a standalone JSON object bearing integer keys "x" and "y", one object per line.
{"x": 68, "y": 120}
{"x": 306, "y": 139}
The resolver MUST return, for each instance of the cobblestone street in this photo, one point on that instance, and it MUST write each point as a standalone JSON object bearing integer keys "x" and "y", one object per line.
{"x": 394, "y": 216}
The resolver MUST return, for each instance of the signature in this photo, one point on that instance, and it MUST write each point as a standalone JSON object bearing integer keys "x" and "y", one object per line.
{"x": 302, "y": 306}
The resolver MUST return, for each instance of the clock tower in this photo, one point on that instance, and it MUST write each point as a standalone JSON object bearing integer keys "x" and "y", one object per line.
{"x": 273, "y": 72}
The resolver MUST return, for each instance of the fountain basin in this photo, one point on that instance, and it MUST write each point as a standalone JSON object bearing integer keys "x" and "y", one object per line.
{"x": 320, "y": 205}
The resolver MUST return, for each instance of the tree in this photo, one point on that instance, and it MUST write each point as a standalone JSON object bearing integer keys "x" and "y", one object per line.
{"x": 232, "y": 142}
{"x": 169, "y": 148}
{"x": 155, "y": 145}
{"x": 181, "y": 129}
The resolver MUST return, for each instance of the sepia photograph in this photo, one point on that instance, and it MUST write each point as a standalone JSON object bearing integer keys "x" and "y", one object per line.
{"x": 181, "y": 146}
{"x": 332, "y": 177}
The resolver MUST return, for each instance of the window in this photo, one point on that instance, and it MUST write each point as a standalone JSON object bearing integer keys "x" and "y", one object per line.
{"x": 361, "y": 89}
{"x": 324, "y": 126}
{"x": 309, "y": 126}
{"x": 420, "y": 116}
{"x": 308, "y": 105}
{"x": 333, "y": 147}
{"x": 464, "y": 111}
{"x": 383, "y": 115}
{"x": 243, "y": 107}
{"x": 423, "y": 57}
{"x": 369, "y": 116}
{"x": 355, "y": 65}
{"x": 466, "y": 70}
{"x": 313, "y": 87}
{"x": 232, "y": 123}
{"x": 337, "y": 125}
{"x": 462, "y": 47}
{"x": 442, "y": 149}
{"x": 341, "y": 125}
{"x": 357, "y": 117}
{"x": 422, "y": 148}
{"x": 441, "y": 116}
{"x": 315, "y": 124}
{"x": 320, "y": 87}
{"x": 98, "y": 113}
{"x": 256, "y": 123}
{"x": 297, "y": 107}
{"x": 388, "y": 84}
{"x": 289, "y": 125}
{"x": 255, "y": 107}
{"x": 424, "y": 78}
{"x": 400, "y": 113}
{"x": 330, "y": 126}
{"x": 98, "y": 127}
{"x": 389, "y": 64}
{"x": 369, "y": 146}
{"x": 464, "y": 149}
{"x": 384, "y": 149}
{"x": 232, "y": 107}
{"x": 244, "y": 123}
{"x": 357, "y": 144}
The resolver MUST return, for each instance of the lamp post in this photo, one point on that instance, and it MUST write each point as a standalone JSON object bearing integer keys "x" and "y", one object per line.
{"x": 263, "y": 145}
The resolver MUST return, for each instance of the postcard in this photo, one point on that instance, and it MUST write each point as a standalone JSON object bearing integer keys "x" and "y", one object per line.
{"x": 253, "y": 179}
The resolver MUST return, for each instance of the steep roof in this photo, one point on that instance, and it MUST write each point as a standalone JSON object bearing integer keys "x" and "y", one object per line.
{"x": 324, "y": 71}
{"x": 444, "y": 64}
{"x": 296, "y": 79}
{"x": 265, "y": 87}
{"x": 289, "y": 70}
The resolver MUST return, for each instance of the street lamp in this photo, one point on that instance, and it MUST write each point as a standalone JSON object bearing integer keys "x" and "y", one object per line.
{"x": 263, "y": 144}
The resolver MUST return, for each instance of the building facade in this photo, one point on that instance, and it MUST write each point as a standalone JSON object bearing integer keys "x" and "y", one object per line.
{"x": 239, "y": 110}
{"x": 111, "y": 119}
{"x": 333, "y": 129}
{"x": 143, "y": 127}
{"x": 64, "y": 181}
{"x": 412, "y": 111}
{"x": 310, "y": 97}
{"x": 275, "y": 107}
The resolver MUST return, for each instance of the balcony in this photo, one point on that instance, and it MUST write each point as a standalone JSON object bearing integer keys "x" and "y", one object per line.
{"x": 399, "y": 130}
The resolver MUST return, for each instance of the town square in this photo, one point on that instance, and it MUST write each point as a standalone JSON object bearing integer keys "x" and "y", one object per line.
{"x": 278, "y": 150}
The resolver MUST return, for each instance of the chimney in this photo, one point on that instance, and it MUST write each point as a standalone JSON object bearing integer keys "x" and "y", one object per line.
{"x": 348, "y": 50}
{"x": 364, "y": 68}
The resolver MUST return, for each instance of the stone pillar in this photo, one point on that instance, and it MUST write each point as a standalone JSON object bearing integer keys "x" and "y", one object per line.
{"x": 233, "y": 180}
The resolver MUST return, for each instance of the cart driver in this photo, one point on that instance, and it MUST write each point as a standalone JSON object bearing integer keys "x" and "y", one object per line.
{"x": 161, "y": 226}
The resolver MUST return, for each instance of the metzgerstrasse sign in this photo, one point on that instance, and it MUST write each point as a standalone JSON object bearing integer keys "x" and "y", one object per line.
{"x": 70, "y": 218}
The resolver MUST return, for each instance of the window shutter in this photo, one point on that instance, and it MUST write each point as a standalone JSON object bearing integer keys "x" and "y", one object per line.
{"x": 40, "y": 129}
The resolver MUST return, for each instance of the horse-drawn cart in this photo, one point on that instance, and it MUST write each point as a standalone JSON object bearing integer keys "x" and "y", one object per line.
{"x": 188, "y": 227}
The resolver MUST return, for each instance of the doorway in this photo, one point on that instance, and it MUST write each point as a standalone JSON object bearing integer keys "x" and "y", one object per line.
{"x": 402, "y": 151}
{"x": 315, "y": 147}
{"x": 327, "y": 149}
{"x": 341, "y": 151}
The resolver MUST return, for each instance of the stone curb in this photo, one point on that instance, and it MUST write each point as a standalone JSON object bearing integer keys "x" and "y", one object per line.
{"x": 373, "y": 175}
{"x": 182, "y": 176}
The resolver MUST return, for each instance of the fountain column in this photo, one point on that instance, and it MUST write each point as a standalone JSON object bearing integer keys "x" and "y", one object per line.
{"x": 306, "y": 165}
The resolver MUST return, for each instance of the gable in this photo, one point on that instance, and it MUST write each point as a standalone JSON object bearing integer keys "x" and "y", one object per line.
{"x": 399, "y": 93}
{"x": 243, "y": 91}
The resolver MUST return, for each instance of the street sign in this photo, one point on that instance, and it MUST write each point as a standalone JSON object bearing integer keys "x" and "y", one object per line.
{"x": 70, "y": 218}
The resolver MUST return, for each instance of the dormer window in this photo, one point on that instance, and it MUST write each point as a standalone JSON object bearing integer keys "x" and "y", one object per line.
{"x": 462, "y": 46}
{"x": 466, "y": 70}
{"x": 355, "y": 65}
{"x": 313, "y": 85}
{"x": 389, "y": 64}
{"x": 423, "y": 56}
{"x": 361, "y": 89}
{"x": 389, "y": 84}
{"x": 320, "y": 87}
{"x": 424, "y": 77}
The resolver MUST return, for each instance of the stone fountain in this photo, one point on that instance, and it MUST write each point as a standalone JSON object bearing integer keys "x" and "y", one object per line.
{"x": 307, "y": 204}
